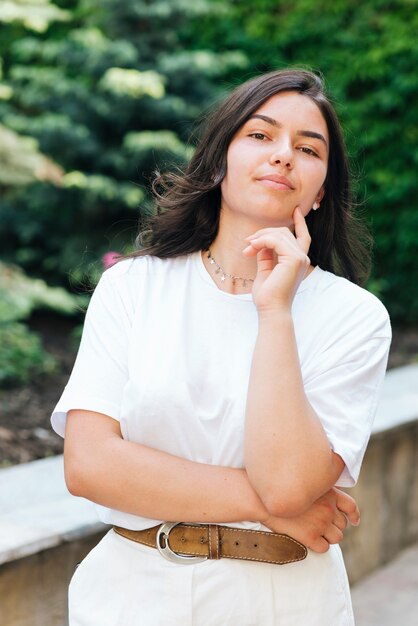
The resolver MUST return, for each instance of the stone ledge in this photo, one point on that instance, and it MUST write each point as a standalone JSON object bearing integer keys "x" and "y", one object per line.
{"x": 398, "y": 404}
{"x": 389, "y": 595}
{"x": 37, "y": 512}
{"x": 387, "y": 490}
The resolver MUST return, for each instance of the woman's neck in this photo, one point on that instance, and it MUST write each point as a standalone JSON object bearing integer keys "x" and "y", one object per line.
{"x": 226, "y": 253}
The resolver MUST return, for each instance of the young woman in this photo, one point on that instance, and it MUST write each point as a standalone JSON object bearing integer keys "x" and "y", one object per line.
{"x": 227, "y": 379}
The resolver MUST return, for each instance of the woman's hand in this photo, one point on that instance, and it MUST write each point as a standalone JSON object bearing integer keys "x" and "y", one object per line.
{"x": 282, "y": 263}
{"x": 322, "y": 524}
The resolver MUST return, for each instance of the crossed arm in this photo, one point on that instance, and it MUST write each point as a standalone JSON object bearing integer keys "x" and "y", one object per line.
{"x": 105, "y": 468}
{"x": 290, "y": 469}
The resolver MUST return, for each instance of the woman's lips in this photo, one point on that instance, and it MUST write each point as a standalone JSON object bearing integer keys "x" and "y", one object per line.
{"x": 276, "y": 181}
{"x": 267, "y": 182}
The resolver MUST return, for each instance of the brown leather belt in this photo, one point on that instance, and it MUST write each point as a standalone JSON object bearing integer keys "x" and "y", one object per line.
{"x": 189, "y": 543}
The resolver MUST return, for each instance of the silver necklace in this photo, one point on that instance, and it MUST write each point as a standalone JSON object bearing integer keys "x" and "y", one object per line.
{"x": 225, "y": 275}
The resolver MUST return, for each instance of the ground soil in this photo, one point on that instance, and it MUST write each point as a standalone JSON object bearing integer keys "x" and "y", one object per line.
{"x": 25, "y": 431}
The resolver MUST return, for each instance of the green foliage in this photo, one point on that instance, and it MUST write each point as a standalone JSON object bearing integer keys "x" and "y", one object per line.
{"x": 21, "y": 355}
{"x": 132, "y": 84}
{"x": 21, "y": 295}
{"x": 109, "y": 95}
{"x": 21, "y": 163}
{"x": 33, "y": 14}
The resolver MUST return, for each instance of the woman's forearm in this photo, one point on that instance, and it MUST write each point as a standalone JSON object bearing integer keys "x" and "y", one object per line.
{"x": 126, "y": 476}
{"x": 287, "y": 454}
{"x": 123, "y": 475}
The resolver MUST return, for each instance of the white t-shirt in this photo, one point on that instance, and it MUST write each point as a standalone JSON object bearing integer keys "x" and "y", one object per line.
{"x": 168, "y": 354}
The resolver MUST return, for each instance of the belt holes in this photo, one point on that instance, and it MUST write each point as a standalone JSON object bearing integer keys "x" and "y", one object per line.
{"x": 237, "y": 543}
{"x": 256, "y": 545}
{"x": 183, "y": 539}
{"x": 202, "y": 540}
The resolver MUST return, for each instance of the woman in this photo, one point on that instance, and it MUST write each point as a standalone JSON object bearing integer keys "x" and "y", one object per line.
{"x": 227, "y": 379}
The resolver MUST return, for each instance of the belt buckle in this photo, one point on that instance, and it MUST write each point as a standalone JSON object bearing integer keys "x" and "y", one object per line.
{"x": 164, "y": 549}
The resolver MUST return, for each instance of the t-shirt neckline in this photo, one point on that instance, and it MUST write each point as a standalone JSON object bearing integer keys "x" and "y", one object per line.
{"x": 207, "y": 278}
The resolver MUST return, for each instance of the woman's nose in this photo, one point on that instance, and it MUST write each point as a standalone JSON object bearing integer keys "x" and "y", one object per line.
{"x": 282, "y": 155}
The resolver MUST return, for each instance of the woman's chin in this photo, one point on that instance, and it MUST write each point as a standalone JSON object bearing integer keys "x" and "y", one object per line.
{"x": 259, "y": 217}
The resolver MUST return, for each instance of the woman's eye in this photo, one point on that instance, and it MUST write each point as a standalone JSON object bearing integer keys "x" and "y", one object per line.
{"x": 258, "y": 136}
{"x": 307, "y": 150}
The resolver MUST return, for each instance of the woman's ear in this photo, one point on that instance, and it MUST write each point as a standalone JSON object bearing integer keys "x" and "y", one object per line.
{"x": 321, "y": 194}
{"x": 318, "y": 199}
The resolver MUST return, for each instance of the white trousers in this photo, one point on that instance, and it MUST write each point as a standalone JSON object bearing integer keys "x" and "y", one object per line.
{"x": 122, "y": 583}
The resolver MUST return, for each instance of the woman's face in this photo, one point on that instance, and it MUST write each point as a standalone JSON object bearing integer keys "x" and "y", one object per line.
{"x": 277, "y": 161}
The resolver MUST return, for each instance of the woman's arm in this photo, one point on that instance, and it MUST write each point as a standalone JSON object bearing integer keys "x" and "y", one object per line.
{"x": 103, "y": 467}
{"x": 288, "y": 457}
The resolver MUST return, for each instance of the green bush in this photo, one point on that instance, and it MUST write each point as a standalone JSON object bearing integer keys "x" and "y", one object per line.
{"x": 20, "y": 295}
{"x": 108, "y": 94}
{"x": 21, "y": 355}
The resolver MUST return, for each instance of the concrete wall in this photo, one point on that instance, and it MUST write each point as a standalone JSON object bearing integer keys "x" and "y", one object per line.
{"x": 387, "y": 494}
{"x": 33, "y": 590}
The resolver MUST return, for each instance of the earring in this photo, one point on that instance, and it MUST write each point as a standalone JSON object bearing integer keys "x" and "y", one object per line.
{"x": 315, "y": 206}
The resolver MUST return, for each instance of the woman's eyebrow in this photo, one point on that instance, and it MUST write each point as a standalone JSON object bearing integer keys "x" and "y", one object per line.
{"x": 313, "y": 134}
{"x": 303, "y": 133}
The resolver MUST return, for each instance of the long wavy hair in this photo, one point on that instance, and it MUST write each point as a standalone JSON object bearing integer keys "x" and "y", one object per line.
{"x": 188, "y": 201}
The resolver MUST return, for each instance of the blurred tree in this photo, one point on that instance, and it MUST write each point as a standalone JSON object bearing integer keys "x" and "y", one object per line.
{"x": 107, "y": 95}
{"x": 21, "y": 163}
{"x": 20, "y": 160}
{"x": 33, "y": 14}
{"x": 22, "y": 355}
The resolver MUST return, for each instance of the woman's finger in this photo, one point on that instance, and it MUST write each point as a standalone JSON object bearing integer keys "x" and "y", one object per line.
{"x": 301, "y": 230}
{"x": 320, "y": 544}
{"x": 250, "y": 251}
{"x": 274, "y": 241}
{"x": 333, "y": 534}
{"x": 347, "y": 505}
{"x": 340, "y": 520}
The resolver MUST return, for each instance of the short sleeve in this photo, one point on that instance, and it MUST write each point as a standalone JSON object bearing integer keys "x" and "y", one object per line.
{"x": 100, "y": 370}
{"x": 344, "y": 391}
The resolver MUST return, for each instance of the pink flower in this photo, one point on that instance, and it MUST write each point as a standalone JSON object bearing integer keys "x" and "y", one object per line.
{"x": 110, "y": 259}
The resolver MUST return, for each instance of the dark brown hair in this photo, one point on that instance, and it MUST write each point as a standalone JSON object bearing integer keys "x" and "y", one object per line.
{"x": 188, "y": 203}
